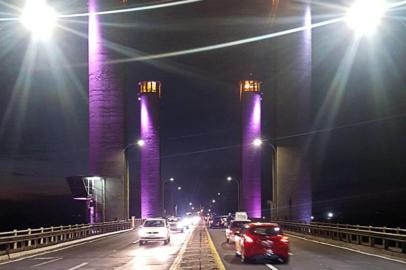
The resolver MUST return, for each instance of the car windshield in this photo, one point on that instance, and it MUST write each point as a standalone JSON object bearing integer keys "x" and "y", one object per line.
{"x": 267, "y": 231}
{"x": 238, "y": 224}
{"x": 154, "y": 223}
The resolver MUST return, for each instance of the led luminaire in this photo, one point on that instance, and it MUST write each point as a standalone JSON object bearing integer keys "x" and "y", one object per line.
{"x": 39, "y": 18}
{"x": 364, "y": 16}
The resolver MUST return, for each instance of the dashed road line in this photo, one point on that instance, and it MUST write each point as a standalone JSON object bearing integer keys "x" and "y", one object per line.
{"x": 271, "y": 267}
{"x": 78, "y": 266}
{"x": 51, "y": 261}
{"x": 291, "y": 254}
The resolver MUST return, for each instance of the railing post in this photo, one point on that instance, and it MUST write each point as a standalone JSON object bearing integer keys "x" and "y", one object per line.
{"x": 52, "y": 235}
{"x": 41, "y": 240}
{"x": 15, "y": 243}
{"x": 29, "y": 240}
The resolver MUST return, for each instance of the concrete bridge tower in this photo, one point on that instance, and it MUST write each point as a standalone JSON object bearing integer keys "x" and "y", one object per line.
{"x": 150, "y": 174}
{"x": 106, "y": 113}
{"x": 292, "y": 197}
{"x": 250, "y": 192}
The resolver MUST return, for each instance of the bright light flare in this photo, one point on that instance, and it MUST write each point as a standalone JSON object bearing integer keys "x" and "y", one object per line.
{"x": 257, "y": 142}
{"x": 364, "y": 16}
{"x": 141, "y": 143}
{"x": 39, "y": 18}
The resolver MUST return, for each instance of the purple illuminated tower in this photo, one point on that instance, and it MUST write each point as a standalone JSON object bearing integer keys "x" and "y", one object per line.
{"x": 250, "y": 192}
{"x": 292, "y": 100}
{"x": 150, "y": 92}
{"x": 106, "y": 115}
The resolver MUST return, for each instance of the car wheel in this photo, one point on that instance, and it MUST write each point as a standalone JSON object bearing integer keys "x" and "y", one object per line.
{"x": 142, "y": 243}
{"x": 244, "y": 259}
{"x": 285, "y": 260}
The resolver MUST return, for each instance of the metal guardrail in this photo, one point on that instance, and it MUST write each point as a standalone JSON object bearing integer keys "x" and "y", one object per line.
{"x": 391, "y": 239}
{"x": 22, "y": 240}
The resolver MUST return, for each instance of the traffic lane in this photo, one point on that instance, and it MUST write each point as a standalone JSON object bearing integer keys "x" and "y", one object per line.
{"x": 307, "y": 255}
{"x": 121, "y": 251}
{"x": 312, "y": 255}
{"x": 227, "y": 252}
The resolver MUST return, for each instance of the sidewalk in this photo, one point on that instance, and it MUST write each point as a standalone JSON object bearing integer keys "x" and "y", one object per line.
{"x": 199, "y": 252}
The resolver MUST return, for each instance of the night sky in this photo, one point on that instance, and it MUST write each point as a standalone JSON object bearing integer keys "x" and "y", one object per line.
{"x": 356, "y": 131}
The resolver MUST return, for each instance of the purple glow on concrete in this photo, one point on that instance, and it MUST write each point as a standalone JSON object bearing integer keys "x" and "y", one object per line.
{"x": 106, "y": 105}
{"x": 304, "y": 193}
{"x": 150, "y": 156}
{"x": 251, "y": 155}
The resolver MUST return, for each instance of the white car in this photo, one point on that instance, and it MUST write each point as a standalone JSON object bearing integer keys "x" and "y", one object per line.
{"x": 154, "y": 230}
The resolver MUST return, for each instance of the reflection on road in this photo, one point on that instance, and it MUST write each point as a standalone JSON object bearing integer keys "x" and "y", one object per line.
{"x": 155, "y": 255}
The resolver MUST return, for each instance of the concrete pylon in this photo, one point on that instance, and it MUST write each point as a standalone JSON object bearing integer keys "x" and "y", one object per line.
{"x": 292, "y": 98}
{"x": 250, "y": 192}
{"x": 150, "y": 174}
{"x": 106, "y": 115}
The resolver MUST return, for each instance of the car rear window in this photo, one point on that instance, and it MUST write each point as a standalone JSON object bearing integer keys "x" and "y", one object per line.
{"x": 267, "y": 231}
{"x": 154, "y": 223}
{"x": 238, "y": 224}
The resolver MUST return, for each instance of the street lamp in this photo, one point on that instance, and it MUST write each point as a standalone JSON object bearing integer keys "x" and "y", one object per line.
{"x": 127, "y": 177}
{"x": 218, "y": 193}
{"x": 39, "y": 18}
{"x": 163, "y": 193}
{"x": 258, "y": 142}
{"x": 213, "y": 201}
{"x": 190, "y": 204}
{"x": 141, "y": 142}
{"x": 364, "y": 16}
{"x": 229, "y": 179}
{"x": 179, "y": 188}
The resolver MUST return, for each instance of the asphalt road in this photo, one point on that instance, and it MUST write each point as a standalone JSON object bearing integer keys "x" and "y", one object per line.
{"x": 306, "y": 255}
{"x": 119, "y": 252}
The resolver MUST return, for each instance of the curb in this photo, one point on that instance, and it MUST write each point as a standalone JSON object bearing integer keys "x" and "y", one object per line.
{"x": 213, "y": 249}
{"x": 178, "y": 259}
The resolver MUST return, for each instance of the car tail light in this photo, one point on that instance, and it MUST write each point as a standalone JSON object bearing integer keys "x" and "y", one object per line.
{"x": 285, "y": 239}
{"x": 248, "y": 239}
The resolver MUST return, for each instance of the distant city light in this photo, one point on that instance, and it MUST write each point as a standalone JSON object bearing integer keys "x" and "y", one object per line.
{"x": 364, "y": 16}
{"x": 330, "y": 215}
{"x": 141, "y": 142}
{"x": 257, "y": 142}
{"x": 39, "y": 18}
{"x": 171, "y": 179}
{"x": 229, "y": 178}
{"x": 218, "y": 193}
{"x": 190, "y": 204}
{"x": 179, "y": 188}
{"x": 193, "y": 208}
{"x": 312, "y": 217}
{"x": 213, "y": 201}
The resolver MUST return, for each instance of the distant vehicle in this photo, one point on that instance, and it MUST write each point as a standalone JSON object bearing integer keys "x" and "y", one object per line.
{"x": 262, "y": 241}
{"x": 235, "y": 228}
{"x": 241, "y": 216}
{"x": 176, "y": 224}
{"x": 218, "y": 222}
{"x": 153, "y": 230}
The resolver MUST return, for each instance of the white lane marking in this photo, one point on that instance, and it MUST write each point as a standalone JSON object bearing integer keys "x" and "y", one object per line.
{"x": 51, "y": 261}
{"x": 78, "y": 266}
{"x": 44, "y": 258}
{"x": 350, "y": 249}
{"x": 271, "y": 267}
{"x": 136, "y": 242}
{"x": 291, "y": 254}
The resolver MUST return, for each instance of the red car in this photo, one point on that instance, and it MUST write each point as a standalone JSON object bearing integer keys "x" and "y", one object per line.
{"x": 262, "y": 241}
{"x": 235, "y": 228}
